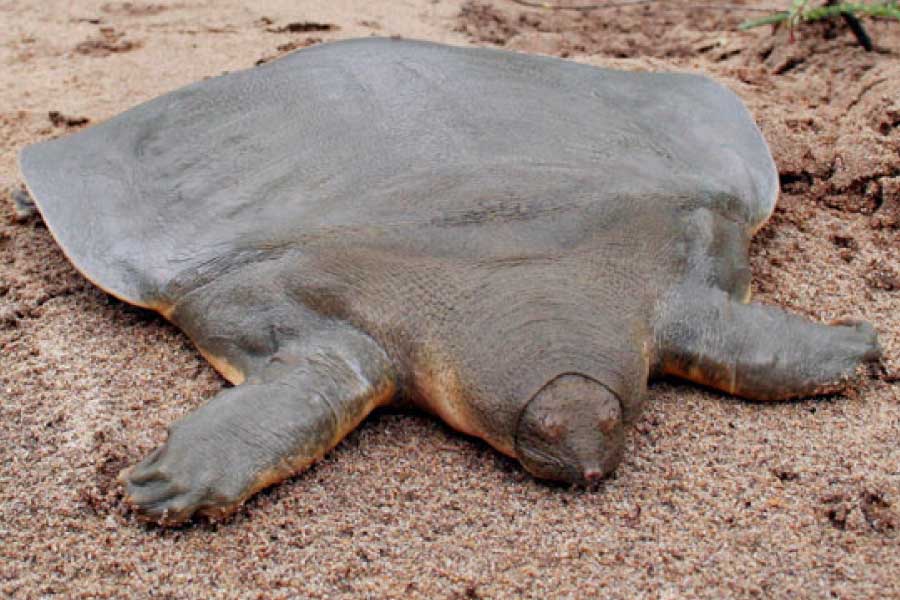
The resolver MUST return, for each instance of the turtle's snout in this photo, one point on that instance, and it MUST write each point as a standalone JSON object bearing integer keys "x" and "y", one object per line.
{"x": 571, "y": 431}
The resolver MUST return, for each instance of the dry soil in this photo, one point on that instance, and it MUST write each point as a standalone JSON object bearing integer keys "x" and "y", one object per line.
{"x": 717, "y": 497}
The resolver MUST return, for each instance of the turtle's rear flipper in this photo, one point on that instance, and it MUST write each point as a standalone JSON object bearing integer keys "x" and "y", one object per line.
{"x": 758, "y": 352}
{"x": 276, "y": 424}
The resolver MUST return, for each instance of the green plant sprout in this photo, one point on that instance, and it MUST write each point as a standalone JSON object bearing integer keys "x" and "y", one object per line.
{"x": 801, "y": 11}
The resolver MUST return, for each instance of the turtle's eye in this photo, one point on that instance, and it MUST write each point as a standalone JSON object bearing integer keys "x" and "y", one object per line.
{"x": 571, "y": 431}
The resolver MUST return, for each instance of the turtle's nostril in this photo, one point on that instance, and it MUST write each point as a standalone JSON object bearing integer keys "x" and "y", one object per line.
{"x": 593, "y": 474}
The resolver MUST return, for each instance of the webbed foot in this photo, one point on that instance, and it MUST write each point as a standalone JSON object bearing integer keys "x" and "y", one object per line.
{"x": 257, "y": 434}
{"x": 760, "y": 352}
{"x": 194, "y": 472}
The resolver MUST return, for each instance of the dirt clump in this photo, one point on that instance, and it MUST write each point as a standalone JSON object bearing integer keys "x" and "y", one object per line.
{"x": 133, "y": 9}
{"x": 108, "y": 42}
{"x": 303, "y": 27}
{"x": 60, "y": 120}
{"x": 878, "y": 512}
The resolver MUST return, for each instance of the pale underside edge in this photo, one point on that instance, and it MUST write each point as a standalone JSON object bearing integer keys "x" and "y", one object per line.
{"x": 227, "y": 370}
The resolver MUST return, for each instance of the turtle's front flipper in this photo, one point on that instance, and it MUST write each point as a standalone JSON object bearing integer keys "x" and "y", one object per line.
{"x": 281, "y": 420}
{"x": 756, "y": 351}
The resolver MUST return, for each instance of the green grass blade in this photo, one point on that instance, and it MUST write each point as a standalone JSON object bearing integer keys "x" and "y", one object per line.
{"x": 799, "y": 11}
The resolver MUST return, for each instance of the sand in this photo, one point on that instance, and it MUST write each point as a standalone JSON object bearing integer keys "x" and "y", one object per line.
{"x": 716, "y": 498}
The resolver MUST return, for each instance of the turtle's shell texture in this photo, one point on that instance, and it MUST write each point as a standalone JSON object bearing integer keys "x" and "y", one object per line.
{"x": 389, "y": 141}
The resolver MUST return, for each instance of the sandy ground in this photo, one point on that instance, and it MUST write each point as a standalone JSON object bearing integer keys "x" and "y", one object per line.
{"x": 716, "y": 498}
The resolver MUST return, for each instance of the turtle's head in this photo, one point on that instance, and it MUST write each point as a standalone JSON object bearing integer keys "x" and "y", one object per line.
{"x": 571, "y": 431}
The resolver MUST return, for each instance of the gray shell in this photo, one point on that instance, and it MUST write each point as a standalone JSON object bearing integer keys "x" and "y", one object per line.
{"x": 391, "y": 138}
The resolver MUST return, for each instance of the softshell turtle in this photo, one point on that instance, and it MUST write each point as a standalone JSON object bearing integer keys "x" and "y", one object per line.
{"x": 514, "y": 243}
